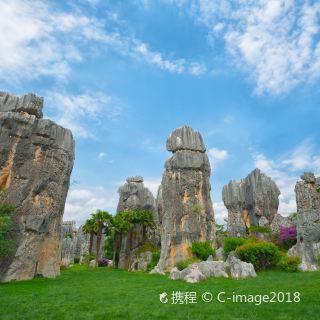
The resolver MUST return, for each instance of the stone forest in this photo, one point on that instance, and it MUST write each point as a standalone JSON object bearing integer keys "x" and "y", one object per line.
{"x": 174, "y": 234}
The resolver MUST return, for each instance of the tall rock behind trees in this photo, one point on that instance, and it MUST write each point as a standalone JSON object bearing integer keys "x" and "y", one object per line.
{"x": 36, "y": 159}
{"x": 308, "y": 220}
{"x": 184, "y": 202}
{"x": 253, "y": 201}
{"x": 133, "y": 195}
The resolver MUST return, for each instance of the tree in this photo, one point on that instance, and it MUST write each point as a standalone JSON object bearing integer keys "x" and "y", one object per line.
{"x": 5, "y": 227}
{"x": 90, "y": 228}
{"x": 124, "y": 222}
{"x": 102, "y": 220}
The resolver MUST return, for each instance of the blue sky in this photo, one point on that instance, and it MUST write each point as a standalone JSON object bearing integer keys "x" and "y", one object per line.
{"x": 122, "y": 75}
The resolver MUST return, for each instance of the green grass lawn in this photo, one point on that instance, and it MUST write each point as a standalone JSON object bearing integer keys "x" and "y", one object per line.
{"x": 104, "y": 293}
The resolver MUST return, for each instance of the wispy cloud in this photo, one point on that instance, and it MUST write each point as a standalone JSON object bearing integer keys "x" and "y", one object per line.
{"x": 39, "y": 39}
{"x": 76, "y": 111}
{"x": 275, "y": 41}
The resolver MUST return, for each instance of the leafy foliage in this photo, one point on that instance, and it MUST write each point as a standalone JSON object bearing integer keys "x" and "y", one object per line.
{"x": 103, "y": 262}
{"x": 261, "y": 254}
{"x": 154, "y": 260}
{"x": 231, "y": 244}
{"x": 5, "y": 227}
{"x": 181, "y": 265}
{"x": 87, "y": 258}
{"x": 202, "y": 250}
{"x": 289, "y": 263}
{"x": 259, "y": 229}
{"x": 76, "y": 260}
{"x": 148, "y": 246}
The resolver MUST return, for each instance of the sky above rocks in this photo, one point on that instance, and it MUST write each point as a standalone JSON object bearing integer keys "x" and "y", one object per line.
{"x": 122, "y": 75}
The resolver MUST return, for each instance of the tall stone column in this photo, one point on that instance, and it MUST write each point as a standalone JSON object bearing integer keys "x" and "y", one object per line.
{"x": 36, "y": 159}
{"x": 184, "y": 198}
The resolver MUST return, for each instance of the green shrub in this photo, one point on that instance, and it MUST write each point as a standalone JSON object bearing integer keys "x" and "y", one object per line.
{"x": 185, "y": 263}
{"x": 148, "y": 246}
{"x": 318, "y": 260}
{"x": 76, "y": 260}
{"x": 154, "y": 261}
{"x": 202, "y": 250}
{"x": 260, "y": 229}
{"x": 261, "y": 254}
{"x": 289, "y": 263}
{"x": 87, "y": 258}
{"x": 231, "y": 244}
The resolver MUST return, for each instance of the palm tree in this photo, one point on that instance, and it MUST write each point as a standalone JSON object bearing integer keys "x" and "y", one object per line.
{"x": 102, "y": 220}
{"x": 89, "y": 228}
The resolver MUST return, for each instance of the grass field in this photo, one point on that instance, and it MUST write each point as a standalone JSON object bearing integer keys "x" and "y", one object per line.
{"x": 104, "y": 293}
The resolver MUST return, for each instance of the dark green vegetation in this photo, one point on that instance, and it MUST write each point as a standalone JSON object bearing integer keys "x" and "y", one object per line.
{"x": 231, "y": 244}
{"x": 104, "y": 293}
{"x": 202, "y": 250}
{"x": 5, "y": 227}
{"x": 261, "y": 254}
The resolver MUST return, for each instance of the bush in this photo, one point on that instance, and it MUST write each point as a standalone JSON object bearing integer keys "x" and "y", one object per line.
{"x": 185, "y": 263}
{"x": 231, "y": 244}
{"x": 202, "y": 250}
{"x": 148, "y": 246}
{"x": 76, "y": 260}
{"x": 154, "y": 260}
{"x": 260, "y": 229}
{"x": 318, "y": 260}
{"x": 287, "y": 237}
{"x": 289, "y": 263}
{"x": 103, "y": 262}
{"x": 87, "y": 258}
{"x": 261, "y": 254}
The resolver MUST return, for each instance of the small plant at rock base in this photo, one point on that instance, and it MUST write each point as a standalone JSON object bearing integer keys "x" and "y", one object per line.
{"x": 261, "y": 254}
{"x": 181, "y": 265}
{"x": 289, "y": 263}
{"x": 202, "y": 250}
{"x": 148, "y": 246}
{"x": 154, "y": 260}
{"x": 87, "y": 258}
{"x": 260, "y": 229}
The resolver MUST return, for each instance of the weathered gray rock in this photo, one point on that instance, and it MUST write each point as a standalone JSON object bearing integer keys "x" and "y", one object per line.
{"x": 29, "y": 103}
{"x": 239, "y": 269}
{"x": 219, "y": 254}
{"x": 251, "y": 202}
{"x": 36, "y": 160}
{"x": 93, "y": 264}
{"x": 135, "y": 196}
{"x": 141, "y": 261}
{"x": 308, "y": 221}
{"x": 68, "y": 242}
{"x": 186, "y": 210}
{"x": 280, "y": 220}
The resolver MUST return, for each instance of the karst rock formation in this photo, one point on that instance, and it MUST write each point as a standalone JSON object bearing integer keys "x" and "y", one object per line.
{"x": 308, "y": 220}
{"x": 36, "y": 161}
{"x": 133, "y": 195}
{"x": 184, "y": 204}
{"x": 68, "y": 242}
{"x": 253, "y": 201}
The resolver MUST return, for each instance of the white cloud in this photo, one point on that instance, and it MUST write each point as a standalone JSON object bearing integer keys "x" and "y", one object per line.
{"x": 153, "y": 185}
{"x": 286, "y": 170}
{"x": 102, "y": 155}
{"x": 74, "y": 111}
{"x": 82, "y": 202}
{"x": 275, "y": 41}
{"x": 216, "y": 155}
{"x": 38, "y": 39}
{"x": 220, "y": 212}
